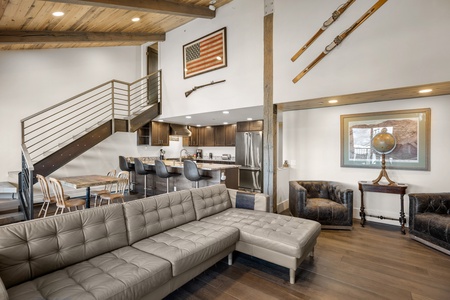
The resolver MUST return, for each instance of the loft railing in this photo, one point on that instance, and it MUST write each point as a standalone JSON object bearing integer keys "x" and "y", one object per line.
{"x": 51, "y": 129}
{"x": 26, "y": 185}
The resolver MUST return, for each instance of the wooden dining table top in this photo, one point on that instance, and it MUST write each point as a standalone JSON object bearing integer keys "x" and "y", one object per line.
{"x": 85, "y": 181}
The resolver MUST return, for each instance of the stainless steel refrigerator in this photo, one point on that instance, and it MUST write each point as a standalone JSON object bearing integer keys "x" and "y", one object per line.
{"x": 249, "y": 152}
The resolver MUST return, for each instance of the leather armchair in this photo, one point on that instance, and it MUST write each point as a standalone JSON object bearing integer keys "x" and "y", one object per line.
{"x": 322, "y": 201}
{"x": 429, "y": 219}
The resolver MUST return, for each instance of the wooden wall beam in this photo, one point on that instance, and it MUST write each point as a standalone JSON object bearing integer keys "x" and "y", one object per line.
{"x": 36, "y": 37}
{"x": 3, "y": 4}
{"x": 152, "y": 6}
{"x": 270, "y": 117}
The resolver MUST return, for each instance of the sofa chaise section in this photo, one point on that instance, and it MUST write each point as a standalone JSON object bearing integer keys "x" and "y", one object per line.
{"x": 279, "y": 239}
{"x": 79, "y": 255}
{"x": 166, "y": 226}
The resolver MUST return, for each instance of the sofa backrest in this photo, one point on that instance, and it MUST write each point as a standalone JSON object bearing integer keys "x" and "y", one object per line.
{"x": 37, "y": 247}
{"x": 210, "y": 200}
{"x": 152, "y": 215}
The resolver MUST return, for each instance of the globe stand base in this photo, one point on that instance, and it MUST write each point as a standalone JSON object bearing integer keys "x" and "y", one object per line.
{"x": 383, "y": 172}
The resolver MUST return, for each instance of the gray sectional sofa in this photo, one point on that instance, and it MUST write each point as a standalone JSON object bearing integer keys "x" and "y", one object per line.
{"x": 147, "y": 248}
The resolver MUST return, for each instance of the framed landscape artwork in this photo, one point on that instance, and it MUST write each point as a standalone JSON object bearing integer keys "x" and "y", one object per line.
{"x": 411, "y": 129}
{"x": 205, "y": 54}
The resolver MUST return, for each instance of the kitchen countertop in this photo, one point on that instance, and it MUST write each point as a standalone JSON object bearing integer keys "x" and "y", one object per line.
{"x": 179, "y": 165}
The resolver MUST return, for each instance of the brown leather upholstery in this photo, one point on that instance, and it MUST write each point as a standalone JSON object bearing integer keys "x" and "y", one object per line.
{"x": 322, "y": 201}
{"x": 429, "y": 219}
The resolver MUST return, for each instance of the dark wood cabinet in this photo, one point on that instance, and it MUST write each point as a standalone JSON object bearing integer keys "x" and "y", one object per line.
{"x": 193, "y": 139}
{"x": 160, "y": 134}
{"x": 219, "y": 135}
{"x": 230, "y": 135}
{"x": 208, "y": 136}
{"x": 143, "y": 135}
{"x": 257, "y": 125}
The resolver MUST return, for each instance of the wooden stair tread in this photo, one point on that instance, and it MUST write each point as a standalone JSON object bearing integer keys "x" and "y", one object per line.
{"x": 11, "y": 218}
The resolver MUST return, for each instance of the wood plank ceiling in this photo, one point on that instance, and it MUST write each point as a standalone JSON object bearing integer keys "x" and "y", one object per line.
{"x": 29, "y": 24}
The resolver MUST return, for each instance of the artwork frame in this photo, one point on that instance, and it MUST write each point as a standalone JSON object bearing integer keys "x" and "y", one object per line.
{"x": 411, "y": 128}
{"x": 206, "y": 54}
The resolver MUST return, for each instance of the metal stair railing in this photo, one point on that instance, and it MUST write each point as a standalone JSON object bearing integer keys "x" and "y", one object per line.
{"x": 52, "y": 128}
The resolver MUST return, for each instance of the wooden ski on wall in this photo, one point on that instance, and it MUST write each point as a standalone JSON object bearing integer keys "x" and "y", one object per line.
{"x": 334, "y": 16}
{"x": 340, "y": 38}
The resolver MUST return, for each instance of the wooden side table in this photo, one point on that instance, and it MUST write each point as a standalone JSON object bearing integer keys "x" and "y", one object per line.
{"x": 399, "y": 189}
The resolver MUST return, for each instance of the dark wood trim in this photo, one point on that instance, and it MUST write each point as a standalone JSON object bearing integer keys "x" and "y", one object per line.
{"x": 270, "y": 120}
{"x": 120, "y": 125}
{"x": 36, "y": 37}
{"x": 144, "y": 117}
{"x": 150, "y": 6}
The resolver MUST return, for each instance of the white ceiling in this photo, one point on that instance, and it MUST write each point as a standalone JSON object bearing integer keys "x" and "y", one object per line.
{"x": 218, "y": 117}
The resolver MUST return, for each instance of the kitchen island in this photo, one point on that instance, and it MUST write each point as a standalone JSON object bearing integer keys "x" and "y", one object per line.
{"x": 220, "y": 173}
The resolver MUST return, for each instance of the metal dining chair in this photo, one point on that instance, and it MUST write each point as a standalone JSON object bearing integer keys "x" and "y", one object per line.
{"x": 162, "y": 172}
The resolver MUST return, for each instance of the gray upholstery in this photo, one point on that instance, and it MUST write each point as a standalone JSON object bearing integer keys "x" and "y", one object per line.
{"x": 323, "y": 201}
{"x": 429, "y": 219}
{"x": 42, "y": 246}
{"x": 210, "y": 200}
{"x": 279, "y": 233}
{"x": 125, "y": 273}
{"x": 144, "y": 249}
{"x": 188, "y": 245}
{"x": 149, "y": 216}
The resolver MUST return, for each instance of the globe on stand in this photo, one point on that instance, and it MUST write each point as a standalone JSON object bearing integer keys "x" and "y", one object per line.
{"x": 383, "y": 143}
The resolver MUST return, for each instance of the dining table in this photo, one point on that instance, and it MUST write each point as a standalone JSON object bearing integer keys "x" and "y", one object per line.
{"x": 88, "y": 181}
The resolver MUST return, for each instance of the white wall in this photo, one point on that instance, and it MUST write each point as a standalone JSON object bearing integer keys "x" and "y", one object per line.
{"x": 36, "y": 79}
{"x": 312, "y": 146}
{"x": 403, "y": 43}
{"x": 243, "y": 74}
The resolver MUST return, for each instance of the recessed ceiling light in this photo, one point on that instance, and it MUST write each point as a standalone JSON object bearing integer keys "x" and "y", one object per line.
{"x": 136, "y": 19}
{"x": 225, "y": 123}
{"x": 425, "y": 91}
{"x": 198, "y": 125}
{"x": 188, "y": 117}
{"x": 58, "y": 14}
{"x": 226, "y": 112}
{"x": 249, "y": 119}
{"x": 332, "y": 101}
{"x": 161, "y": 120}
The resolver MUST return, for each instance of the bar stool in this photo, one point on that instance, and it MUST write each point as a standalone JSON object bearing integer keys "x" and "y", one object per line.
{"x": 161, "y": 171}
{"x": 191, "y": 172}
{"x": 140, "y": 169}
{"x": 124, "y": 166}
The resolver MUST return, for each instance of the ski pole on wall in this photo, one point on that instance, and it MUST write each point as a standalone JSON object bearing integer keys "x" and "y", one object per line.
{"x": 334, "y": 16}
{"x": 340, "y": 38}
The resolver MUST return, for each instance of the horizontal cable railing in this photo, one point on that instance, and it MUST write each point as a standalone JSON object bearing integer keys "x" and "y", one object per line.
{"x": 47, "y": 131}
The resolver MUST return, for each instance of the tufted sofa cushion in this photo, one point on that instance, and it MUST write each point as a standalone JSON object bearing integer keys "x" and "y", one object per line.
{"x": 150, "y": 216}
{"x": 210, "y": 200}
{"x": 38, "y": 247}
{"x": 284, "y": 234}
{"x": 125, "y": 273}
{"x": 188, "y": 245}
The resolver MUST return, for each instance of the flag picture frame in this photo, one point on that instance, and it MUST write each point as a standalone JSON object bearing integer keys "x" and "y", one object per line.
{"x": 205, "y": 54}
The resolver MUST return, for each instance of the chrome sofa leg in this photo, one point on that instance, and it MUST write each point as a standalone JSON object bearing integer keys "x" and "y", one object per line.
{"x": 230, "y": 259}
{"x": 292, "y": 276}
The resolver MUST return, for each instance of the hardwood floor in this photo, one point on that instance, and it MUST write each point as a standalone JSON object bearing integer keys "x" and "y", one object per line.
{"x": 374, "y": 262}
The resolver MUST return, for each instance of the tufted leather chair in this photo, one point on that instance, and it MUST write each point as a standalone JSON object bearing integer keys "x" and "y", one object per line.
{"x": 429, "y": 219}
{"x": 322, "y": 201}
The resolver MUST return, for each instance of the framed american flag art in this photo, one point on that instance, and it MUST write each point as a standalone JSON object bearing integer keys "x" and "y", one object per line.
{"x": 205, "y": 54}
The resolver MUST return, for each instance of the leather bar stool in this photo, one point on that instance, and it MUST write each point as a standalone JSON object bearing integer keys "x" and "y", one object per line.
{"x": 124, "y": 166}
{"x": 191, "y": 172}
{"x": 141, "y": 170}
{"x": 161, "y": 171}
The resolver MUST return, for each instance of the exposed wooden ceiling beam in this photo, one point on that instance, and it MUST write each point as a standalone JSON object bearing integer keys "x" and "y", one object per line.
{"x": 36, "y": 37}
{"x": 153, "y": 6}
{"x": 3, "y": 4}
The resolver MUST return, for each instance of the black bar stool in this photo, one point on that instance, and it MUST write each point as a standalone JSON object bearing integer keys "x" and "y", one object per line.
{"x": 191, "y": 172}
{"x": 124, "y": 166}
{"x": 161, "y": 171}
{"x": 141, "y": 170}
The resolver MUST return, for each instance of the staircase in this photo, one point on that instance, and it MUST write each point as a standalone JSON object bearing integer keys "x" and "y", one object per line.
{"x": 54, "y": 136}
